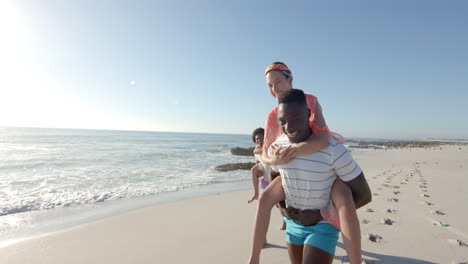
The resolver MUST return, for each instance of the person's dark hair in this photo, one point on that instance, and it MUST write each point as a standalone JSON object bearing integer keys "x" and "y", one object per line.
{"x": 257, "y": 131}
{"x": 292, "y": 96}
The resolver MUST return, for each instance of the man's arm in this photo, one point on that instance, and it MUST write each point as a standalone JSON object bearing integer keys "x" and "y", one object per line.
{"x": 360, "y": 189}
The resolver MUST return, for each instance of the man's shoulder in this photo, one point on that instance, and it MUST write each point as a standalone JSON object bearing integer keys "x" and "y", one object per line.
{"x": 336, "y": 146}
{"x": 333, "y": 150}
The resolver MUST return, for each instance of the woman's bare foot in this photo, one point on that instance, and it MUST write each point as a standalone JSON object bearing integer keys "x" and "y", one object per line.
{"x": 255, "y": 197}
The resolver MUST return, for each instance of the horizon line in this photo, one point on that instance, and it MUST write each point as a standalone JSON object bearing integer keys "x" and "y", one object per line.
{"x": 219, "y": 133}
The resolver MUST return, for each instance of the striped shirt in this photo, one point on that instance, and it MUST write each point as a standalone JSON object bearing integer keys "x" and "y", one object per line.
{"x": 307, "y": 180}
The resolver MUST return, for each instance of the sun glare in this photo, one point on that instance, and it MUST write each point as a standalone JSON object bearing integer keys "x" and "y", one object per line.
{"x": 15, "y": 83}
{"x": 12, "y": 34}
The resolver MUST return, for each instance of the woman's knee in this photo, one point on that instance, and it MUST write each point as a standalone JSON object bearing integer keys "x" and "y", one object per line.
{"x": 267, "y": 198}
{"x": 256, "y": 170}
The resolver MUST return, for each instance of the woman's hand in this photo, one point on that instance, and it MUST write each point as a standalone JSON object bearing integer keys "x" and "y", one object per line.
{"x": 279, "y": 155}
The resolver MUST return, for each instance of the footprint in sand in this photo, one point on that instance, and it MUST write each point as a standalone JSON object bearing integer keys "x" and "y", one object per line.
{"x": 423, "y": 187}
{"x": 392, "y": 211}
{"x": 375, "y": 194}
{"x": 437, "y": 212}
{"x": 429, "y": 204}
{"x": 440, "y": 223}
{"x": 387, "y": 221}
{"x": 393, "y": 200}
{"x": 369, "y": 210}
{"x": 458, "y": 242}
{"x": 374, "y": 238}
{"x": 402, "y": 182}
{"x": 424, "y": 195}
{"x": 396, "y": 192}
{"x": 365, "y": 221}
{"x": 423, "y": 190}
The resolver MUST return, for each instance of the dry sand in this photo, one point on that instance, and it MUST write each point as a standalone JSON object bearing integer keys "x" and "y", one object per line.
{"x": 418, "y": 215}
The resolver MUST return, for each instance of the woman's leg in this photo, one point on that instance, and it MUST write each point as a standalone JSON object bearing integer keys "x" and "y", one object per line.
{"x": 282, "y": 204}
{"x": 270, "y": 196}
{"x": 313, "y": 255}
{"x": 342, "y": 197}
{"x": 295, "y": 253}
{"x": 256, "y": 173}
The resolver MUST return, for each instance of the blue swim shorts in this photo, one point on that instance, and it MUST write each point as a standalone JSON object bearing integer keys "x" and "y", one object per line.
{"x": 322, "y": 235}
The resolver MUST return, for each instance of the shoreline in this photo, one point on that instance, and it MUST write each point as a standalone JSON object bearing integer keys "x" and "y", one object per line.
{"x": 412, "y": 219}
{"x": 32, "y": 224}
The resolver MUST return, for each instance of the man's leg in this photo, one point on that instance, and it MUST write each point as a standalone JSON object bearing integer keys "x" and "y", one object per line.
{"x": 313, "y": 255}
{"x": 295, "y": 253}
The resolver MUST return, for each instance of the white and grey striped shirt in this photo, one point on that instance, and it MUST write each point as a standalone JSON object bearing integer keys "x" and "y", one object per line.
{"x": 307, "y": 180}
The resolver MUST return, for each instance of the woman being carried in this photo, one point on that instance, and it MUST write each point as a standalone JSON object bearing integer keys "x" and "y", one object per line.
{"x": 261, "y": 170}
{"x": 279, "y": 80}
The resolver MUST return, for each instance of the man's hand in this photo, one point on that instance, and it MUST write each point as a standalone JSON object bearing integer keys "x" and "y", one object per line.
{"x": 360, "y": 189}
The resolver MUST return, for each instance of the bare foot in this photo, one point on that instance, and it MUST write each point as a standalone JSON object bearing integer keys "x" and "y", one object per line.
{"x": 255, "y": 197}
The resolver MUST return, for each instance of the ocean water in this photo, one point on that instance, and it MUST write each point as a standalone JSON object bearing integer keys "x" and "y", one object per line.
{"x": 56, "y": 178}
{"x": 45, "y": 169}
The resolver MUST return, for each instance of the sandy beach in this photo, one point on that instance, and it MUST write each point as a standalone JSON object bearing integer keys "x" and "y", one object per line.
{"x": 418, "y": 215}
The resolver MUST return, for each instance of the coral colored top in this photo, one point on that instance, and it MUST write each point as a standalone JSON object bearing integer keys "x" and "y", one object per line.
{"x": 273, "y": 129}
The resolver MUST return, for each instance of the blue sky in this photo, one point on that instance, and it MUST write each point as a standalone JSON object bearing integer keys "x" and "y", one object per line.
{"x": 381, "y": 69}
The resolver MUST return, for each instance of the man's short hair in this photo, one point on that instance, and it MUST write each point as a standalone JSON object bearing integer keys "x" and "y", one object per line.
{"x": 257, "y": 131}
{"x": 292, "y": 96}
